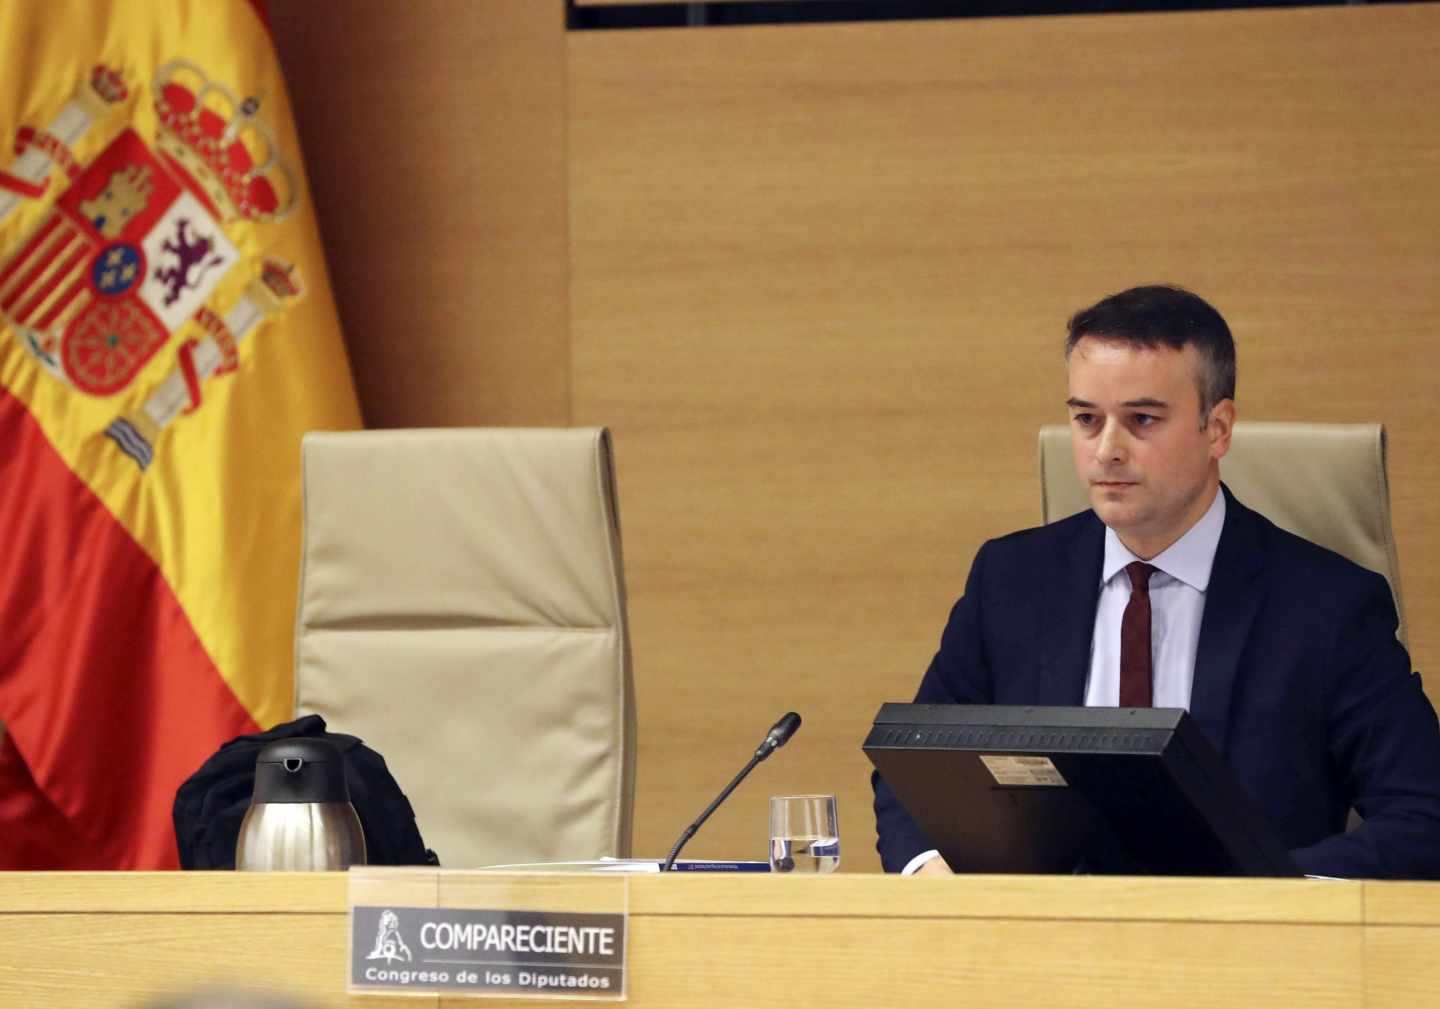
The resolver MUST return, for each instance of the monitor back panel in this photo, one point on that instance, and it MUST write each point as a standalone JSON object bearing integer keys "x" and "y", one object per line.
{"x": 1103, "y": 791}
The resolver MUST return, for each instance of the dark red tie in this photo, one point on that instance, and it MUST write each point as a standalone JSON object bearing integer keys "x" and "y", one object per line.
{"x": 1135, "y": 672}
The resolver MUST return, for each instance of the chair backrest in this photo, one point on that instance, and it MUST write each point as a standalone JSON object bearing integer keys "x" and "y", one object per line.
{"x": 1325, "y": 482}
{"x": 462, "y": 610}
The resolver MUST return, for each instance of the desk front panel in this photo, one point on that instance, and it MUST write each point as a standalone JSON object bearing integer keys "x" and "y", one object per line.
{"x": 109, "y": 941}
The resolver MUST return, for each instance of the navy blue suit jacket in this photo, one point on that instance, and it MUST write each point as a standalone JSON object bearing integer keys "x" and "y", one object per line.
{"x": 1299, "y": 682}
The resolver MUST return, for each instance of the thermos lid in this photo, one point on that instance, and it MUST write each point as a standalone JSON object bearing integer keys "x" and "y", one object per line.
{"x": 300, "y": 770}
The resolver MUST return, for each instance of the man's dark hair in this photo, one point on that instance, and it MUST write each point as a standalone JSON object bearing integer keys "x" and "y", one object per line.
{"x": 1161, "y": 315}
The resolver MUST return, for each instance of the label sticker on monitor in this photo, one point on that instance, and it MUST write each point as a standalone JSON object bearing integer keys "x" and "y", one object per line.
{"x": 1012, "y": 770}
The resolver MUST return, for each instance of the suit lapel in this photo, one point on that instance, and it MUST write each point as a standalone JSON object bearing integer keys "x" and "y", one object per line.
{"x": 1231, "y": 602}
{"x": 1068, "y": 616}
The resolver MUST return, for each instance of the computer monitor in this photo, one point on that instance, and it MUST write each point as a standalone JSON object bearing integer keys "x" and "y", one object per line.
{"x": 1072, "y": 790}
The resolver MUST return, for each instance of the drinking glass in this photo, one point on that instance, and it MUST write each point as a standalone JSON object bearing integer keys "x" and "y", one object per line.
{"x": 804, "y": 834}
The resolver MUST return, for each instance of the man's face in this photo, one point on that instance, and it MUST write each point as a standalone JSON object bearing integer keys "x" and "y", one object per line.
{"x": 1151, "y": 466}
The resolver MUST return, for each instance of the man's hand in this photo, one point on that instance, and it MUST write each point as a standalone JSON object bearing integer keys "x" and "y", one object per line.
{"x": 937, "y": 866}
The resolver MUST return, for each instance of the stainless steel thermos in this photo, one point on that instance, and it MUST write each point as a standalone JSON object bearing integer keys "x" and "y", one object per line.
{"x": 300, "y": 817}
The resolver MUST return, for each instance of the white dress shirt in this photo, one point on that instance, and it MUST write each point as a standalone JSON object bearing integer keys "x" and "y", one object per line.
{"x": 1177, "y": 602}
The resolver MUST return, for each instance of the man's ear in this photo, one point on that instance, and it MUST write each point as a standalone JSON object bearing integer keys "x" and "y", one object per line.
{"x": 1219, "y": 427}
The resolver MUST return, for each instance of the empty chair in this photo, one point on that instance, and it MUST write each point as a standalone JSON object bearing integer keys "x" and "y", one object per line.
{"x": 462, "y": 610}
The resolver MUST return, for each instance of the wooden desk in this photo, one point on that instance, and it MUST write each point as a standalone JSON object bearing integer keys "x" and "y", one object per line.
{"x": 101, "y": 940}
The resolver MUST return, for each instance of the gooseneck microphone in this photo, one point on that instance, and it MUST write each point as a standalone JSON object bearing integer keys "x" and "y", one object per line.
{"x": 777, "y": 737}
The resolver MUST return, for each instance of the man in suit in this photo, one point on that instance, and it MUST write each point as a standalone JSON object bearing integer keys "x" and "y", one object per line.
{"x": 1171, "y": 592}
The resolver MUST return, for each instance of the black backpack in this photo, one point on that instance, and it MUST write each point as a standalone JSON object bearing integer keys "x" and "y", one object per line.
{"x": 211, "y": 803}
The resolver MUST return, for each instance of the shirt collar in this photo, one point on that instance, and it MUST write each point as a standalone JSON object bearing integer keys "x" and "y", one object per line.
{"x": 1189, "y": 559}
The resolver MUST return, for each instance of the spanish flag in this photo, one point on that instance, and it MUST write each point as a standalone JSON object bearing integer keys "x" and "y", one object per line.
{"x": 166, "y": 336}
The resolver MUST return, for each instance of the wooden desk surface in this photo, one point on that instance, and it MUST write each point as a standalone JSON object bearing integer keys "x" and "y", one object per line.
{"x": 99, "y": 940}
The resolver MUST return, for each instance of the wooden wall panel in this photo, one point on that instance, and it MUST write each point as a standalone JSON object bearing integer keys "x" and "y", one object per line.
{"x": 434, "y": 138}
{"x": 819, "y": 279}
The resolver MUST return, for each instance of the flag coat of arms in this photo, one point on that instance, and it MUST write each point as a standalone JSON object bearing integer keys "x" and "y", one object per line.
{"x": 167, "y": 335}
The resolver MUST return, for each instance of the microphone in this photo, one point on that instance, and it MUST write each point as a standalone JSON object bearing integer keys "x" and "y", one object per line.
{"x": 777, "y": 737}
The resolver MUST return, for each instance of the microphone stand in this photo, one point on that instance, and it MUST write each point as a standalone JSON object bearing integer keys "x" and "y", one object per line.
{"x": 777, "y": 737}
{"x": 760, "y": 755}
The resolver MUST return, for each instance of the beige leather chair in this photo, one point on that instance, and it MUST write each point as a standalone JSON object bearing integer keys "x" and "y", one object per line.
{"x": 462, "y": 610}
{"x": 1325, "y": 482}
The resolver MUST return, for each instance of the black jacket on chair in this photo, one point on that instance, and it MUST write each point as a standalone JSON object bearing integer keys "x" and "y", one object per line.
{"x": 1299, "y": 682}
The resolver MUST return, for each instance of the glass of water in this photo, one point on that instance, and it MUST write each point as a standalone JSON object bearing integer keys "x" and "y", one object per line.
{"x": 804, "y": 834}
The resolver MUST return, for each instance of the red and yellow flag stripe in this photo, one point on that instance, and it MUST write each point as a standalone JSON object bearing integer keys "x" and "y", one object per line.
{"x": 149, "y": 510}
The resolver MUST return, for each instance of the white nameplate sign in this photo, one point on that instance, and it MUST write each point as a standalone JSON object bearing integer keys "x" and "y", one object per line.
{"x": 477, "y": 933}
